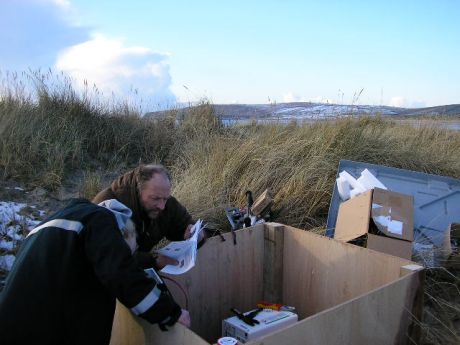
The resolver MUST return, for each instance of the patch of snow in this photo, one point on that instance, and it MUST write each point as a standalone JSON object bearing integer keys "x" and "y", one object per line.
{"x": 9, "y": 213}
{"x": 6, "y": 262}
{"x": 9, "y": 217}
{"x": 12, "y": 233}
{"x": 12, "y": 227}
{"x": 319, "y": 111}
{"x": 7, "y": 245}
{"x": 290, "y": 110}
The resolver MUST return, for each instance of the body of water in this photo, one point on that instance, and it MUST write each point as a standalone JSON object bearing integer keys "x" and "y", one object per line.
{"x": 452, "y": 125}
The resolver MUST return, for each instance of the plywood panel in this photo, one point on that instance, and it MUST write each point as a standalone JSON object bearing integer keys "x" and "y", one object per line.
{"x": 273, "y": 263}
{"x": 380, "y": 317}
{"x": 320, "y": 272}
{"x": 225, "y": 276}
{"x": 126, "y": 330}
{"x": 131, "y": 330}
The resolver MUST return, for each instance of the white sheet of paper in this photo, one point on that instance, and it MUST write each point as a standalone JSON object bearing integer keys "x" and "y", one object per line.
{"x": 182, "y": 251}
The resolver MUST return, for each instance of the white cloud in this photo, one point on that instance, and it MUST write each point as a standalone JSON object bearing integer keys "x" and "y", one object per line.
{"x": 62, "y": 3}
{"x": 418, "y": 104}
{"x": 292, "y": 97}
{"x": 402, "y": 102}
{"x": 39, "y": 34}
{"x": 397, "y": 101}
{"x": 65, "y": 5}
{"x": 116, "y": 68}
{"x": 320, "y": 99}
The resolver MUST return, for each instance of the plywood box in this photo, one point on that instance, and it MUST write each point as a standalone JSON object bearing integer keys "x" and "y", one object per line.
{"x": 343, "y": 294}
{"x": 378, "y": 219}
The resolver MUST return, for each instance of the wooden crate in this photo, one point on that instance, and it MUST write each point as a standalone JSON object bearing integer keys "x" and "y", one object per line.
{"x": 343, "y": 294}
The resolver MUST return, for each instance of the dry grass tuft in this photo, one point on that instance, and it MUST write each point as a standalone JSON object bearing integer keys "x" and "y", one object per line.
{"x": 46, "y": 134}
{"x": 91, "y": 184}
{"x": 441, "y": 324}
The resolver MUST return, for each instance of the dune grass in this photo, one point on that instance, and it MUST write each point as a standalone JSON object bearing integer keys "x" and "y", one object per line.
{"x": 299, "y": 163}
{"x": 48, "y": 134}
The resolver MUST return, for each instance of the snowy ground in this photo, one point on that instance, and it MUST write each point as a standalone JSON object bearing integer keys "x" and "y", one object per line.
{"x": 322, "y": 111}
{"x": 16, "y": 220}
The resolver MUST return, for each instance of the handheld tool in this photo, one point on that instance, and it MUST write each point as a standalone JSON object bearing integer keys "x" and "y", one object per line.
{"x": 247, "y": 219}
{"x": 248, "y": 318}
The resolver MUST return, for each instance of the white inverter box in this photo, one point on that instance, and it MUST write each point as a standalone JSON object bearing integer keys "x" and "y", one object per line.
{"x": 269, "y": 321}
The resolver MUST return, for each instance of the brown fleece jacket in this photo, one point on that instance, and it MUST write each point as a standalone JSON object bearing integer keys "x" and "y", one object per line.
{"x": 171, "y": 223}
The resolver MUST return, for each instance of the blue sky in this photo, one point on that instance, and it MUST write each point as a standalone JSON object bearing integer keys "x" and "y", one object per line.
{"x": 401, "y": 53}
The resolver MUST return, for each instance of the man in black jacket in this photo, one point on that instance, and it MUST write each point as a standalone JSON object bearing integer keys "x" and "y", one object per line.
{"x": 66, "y": 276}
{"x": 146, "y": 190}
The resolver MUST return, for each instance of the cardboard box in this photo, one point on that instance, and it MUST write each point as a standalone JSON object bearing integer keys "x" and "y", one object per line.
{"x": 378, "y": 219}
{"x": 269, "y": 321}
{"x": 263, "y": 203}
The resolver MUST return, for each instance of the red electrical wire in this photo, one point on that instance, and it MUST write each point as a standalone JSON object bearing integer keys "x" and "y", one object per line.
{"x": 180, "y": 287}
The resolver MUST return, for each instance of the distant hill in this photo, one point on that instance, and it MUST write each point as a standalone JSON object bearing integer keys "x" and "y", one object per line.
{"x": 306, "y": 110}
{"x": 451, "y": 109}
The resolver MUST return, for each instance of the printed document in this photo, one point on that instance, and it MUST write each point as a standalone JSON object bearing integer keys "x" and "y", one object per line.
{"x": 182, "y": 251}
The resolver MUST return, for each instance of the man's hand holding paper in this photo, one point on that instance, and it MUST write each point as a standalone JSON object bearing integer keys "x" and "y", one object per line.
{"x": 182, "y": 252}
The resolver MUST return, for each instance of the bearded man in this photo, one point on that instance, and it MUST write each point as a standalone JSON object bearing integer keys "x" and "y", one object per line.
{"x": 146, "y": 190}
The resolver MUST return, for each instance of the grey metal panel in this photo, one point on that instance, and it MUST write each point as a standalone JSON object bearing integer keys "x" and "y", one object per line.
{"x": 436, "y": 198}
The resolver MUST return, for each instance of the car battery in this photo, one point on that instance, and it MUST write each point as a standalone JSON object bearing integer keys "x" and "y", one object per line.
{"x": 269, "y": 321}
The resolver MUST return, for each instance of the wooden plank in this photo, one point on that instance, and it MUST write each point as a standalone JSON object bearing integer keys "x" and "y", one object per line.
{"x": 126, "y": 330}
{"x": 379, "y": 317}
{"x": 320, "y": 272}
{"x": 273, "y": 263}
{"x": 410, "y": 268}
{"x": 131, "y": 330}
{"x": 177, "y": 335}
{"x": 414, "y": 328}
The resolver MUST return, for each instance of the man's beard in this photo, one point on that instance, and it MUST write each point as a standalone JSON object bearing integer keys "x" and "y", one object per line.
{"x": 153, "y": 214}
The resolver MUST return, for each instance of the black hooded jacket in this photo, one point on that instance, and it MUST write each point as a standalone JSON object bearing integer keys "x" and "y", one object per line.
{"x": 66, "y": 277}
